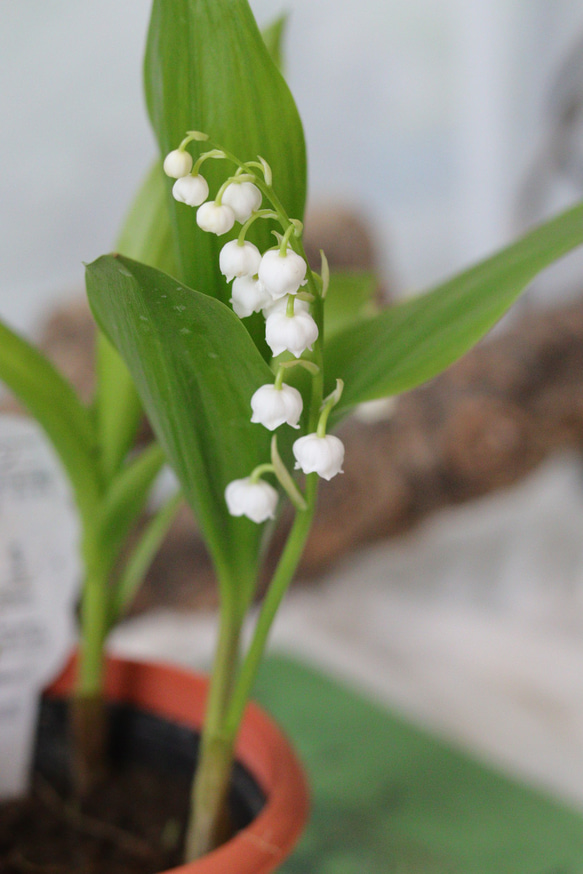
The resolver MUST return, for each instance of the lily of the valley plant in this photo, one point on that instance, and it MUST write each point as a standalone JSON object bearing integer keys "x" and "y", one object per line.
{"x": 244, "y": 358}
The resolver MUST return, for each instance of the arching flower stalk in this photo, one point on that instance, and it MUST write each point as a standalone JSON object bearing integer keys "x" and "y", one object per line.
{"x": 280, "y": 284}
{"x": 268, "y": 282}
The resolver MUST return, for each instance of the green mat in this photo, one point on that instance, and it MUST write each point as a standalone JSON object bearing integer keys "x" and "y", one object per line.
{"x": 391, "y": 799}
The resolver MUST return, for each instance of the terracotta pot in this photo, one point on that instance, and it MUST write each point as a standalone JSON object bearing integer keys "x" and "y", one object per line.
{"x": 179, "y": 696}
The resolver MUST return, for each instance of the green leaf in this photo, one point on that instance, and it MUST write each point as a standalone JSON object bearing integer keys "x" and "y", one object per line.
{"x": 273, "y": 36}
{"x": 126, "y": 498}
{"x": 141, "y": 558}
{"x": 207, "y": 68}
{"x": 350, "y": 298}
{"x": 196, "y": 369}
{"x": 412, "y": 342}
{"x": 52, "y": 401}
{"x": 146, "y": 234}
{"x": 118, "y": 408}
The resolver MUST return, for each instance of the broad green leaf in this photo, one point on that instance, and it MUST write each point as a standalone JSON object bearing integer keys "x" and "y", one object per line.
{"x": 196, "y": 369}
{"x": 118, "y": 408}
{"x": 207, "y": 68}
{"x": 412, "y": 342}
{"x": 141, "y": 558}
{"x": 126, "y": 498}
{"x": 52, "y": 401}
{"x": 350, "y": 298}
{"x": 273, "y": 36}
{"x": 146, "y": 234}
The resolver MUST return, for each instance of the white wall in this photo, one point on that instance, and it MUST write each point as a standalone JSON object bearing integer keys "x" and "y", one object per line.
{"x": 427, "y": 114}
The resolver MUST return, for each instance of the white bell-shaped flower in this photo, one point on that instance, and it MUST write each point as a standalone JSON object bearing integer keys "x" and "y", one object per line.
{"x": 248, "y": 296}
{"x": 214, "y": 218}
{"x": 321, "y": 455}
{"x": 280, "y": 306}
{"x": 282, "y": 274}
{"x": 192, "y": 190}
{"x": 239, "y": 260}
{"x": 273, "y": 406}
{"x": 292, "y": 333}
{"x": 256, "y": 500}
{"x": 244, "y": 198}
{"x": 177, "y": 163}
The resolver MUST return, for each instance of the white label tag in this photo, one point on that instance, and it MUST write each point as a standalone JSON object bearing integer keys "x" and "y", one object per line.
{"x": 39, "y": 582}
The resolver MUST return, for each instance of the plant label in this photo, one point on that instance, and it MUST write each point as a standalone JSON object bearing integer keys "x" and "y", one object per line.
{"x": 39, "y": 584}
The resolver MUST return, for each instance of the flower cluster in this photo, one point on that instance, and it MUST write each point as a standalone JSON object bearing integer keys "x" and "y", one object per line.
{"x": 271, "y": 283}
{"x": 268, "y": 283}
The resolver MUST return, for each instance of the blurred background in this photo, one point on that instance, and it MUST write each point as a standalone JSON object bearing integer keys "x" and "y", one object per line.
{"x": 428, "y": 117}
{"x": 447, "y": 126}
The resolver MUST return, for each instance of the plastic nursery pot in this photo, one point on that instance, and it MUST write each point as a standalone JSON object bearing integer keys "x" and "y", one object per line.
{"x": 178, "y": 696}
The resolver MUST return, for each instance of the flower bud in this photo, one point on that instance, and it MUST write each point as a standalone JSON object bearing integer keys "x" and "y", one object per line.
{"x": 280, "y": 306}
{"x": 192, "y": 190}
{"x": 256, "y": 500}
{"x": 214, "y": 218}
{"x": 292, "y": 333}
{"x": 321, "y": 455}
{"x": 177, "y": 163}
{"x": 244, "y": 198}
{"x": 282, "y": 274}
{"x": 248, "y": 296}
{"x": 236, "y": 260}
{"x": 273, "y": 406}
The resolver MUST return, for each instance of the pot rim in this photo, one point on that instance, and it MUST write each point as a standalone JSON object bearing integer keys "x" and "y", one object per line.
{"x": 179, "y": 694}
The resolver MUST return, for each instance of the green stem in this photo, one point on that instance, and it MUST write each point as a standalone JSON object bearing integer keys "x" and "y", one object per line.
{"x": 318, "y": 359}
{"x": 285, "y": 240}
{"x": 265, "y": 189}
{"x": 279, "y": 378}
{"x": 230, "y": 689}
{"x": 214, "y": 153}
{"x": 298, "y": 535}
{"x": 89, "y": 724}
{"x": 258, "y": 472}
{"x": 205, "y": 829}
{"x": 282, "y": 578}
{"x": 259, "y": 214}
{"x": 329, "y": 404}
{"x": 94, "y": 622}
{"x": 140, "y": 559}
{"x": 285, "y": 478}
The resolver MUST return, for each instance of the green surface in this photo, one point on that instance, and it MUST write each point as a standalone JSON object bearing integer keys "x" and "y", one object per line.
{"x": 412, "y": 341}
{"x": 195, "y": 368}
{"x": 390, "y": 798}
